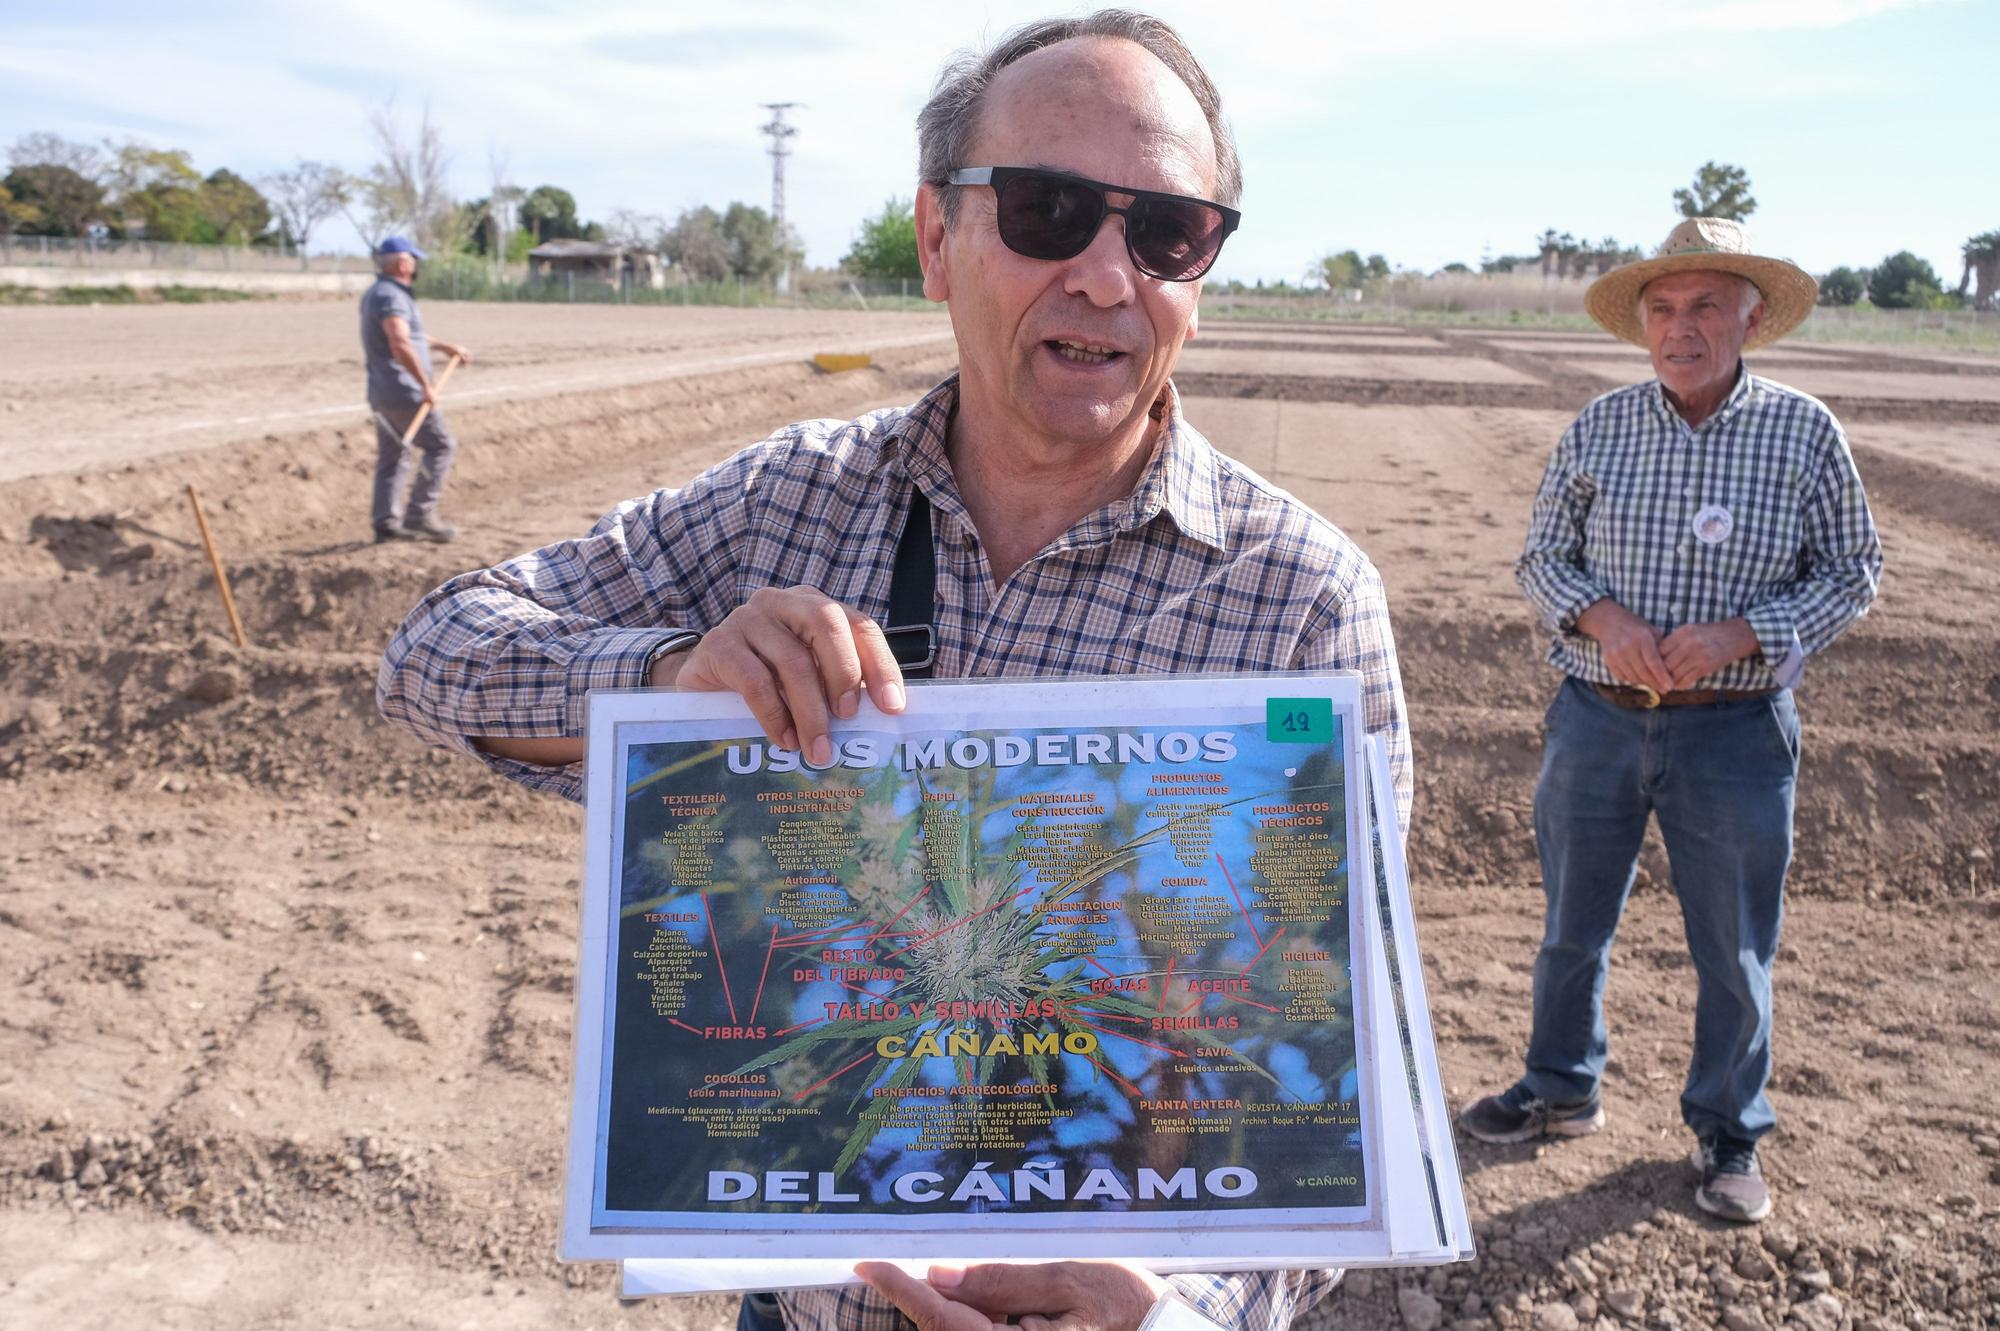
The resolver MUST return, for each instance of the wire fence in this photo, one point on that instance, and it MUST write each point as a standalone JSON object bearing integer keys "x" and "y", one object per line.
{"x": 1519, "y": 299}
{"x": 90, "y": 252}
{"x": 471, "y": 279}
{"x": 1526, "y": 300}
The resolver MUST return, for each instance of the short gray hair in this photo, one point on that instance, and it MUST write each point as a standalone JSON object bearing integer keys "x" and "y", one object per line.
{"x": 946, "y": 125}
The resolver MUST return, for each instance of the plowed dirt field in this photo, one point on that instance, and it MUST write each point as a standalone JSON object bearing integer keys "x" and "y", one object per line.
{"x": 288, "y": 998}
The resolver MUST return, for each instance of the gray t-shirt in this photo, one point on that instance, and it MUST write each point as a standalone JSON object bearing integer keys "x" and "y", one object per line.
{"x": 389, "y": 384}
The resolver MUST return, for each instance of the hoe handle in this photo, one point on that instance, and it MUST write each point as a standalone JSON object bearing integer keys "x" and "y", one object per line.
{"x": 423, "y": 412}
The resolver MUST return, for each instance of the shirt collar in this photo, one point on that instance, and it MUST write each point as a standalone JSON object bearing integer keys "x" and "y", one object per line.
{"x": 1739, "y": 393}
{"x": 1182, "y": 479}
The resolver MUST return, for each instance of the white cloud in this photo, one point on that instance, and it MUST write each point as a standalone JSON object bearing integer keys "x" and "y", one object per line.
{"x": 1355, "y": 118}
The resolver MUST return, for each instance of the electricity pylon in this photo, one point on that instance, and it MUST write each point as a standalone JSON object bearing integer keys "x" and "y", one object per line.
{"x": 780, "y": 149}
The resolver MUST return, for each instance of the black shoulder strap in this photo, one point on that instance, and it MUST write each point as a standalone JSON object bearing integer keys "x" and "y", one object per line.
{"x": 913, "y": 593}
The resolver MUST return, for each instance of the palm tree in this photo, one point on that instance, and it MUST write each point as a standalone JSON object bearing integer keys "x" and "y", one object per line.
{"x": 1567, "y": 250}
{"x": 1549, "y": 241}
{"x": 1982, "y": 260}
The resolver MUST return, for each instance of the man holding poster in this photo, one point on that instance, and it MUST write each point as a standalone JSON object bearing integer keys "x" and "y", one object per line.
{"x": 1076, "y": 185}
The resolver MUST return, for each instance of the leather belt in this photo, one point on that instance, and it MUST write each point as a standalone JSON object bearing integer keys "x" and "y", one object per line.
{"x": 1640, "y": 698}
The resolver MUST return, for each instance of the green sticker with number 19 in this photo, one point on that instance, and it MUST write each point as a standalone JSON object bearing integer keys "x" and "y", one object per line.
{"x": 1298, "y": 720}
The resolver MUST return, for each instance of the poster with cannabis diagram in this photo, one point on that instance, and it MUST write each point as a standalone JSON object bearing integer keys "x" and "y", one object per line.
{"x": 1035, "y": 957}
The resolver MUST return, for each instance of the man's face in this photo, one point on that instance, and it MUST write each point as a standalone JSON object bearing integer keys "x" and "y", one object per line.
{"x": 1696, "y": 325}
{"x": 1072, "y": 352}
{"x": 402, "y": 267}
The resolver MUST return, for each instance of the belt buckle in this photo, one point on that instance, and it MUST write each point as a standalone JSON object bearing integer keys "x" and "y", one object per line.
{"x": 1651, "y": 694}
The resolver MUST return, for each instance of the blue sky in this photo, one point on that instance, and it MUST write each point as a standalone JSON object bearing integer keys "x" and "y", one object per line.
{"x": 1427, "y": 130}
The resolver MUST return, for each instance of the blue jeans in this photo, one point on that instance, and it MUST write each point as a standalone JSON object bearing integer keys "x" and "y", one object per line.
{"x": 1721, "y": 779}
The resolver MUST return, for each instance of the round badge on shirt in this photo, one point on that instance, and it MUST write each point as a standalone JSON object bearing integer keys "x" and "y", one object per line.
{"x": 1713, "y": 524}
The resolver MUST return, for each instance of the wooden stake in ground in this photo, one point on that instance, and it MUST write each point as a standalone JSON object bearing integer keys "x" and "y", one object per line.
{"x": 417, "y": 421}
{"x": 215, "y": 562}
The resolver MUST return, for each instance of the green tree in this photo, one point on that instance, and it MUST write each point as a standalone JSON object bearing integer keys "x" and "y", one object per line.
{"x": 757, "y": 250}
{"x": 1904, "y": 282}
{"x": 550, "y": 213}
{"x": 16, "y": 215}
{"x": 54, "y": 200}
{"x": 474, "y": 222}
{"x": 887, "y": 244}
{"x": 1377, "y": 268}
{"x": 236, "y": 210}
{"x": 157, "y": 194}
{"x": 1342, "y": 271}
{"x": 695, "y": 244}
{"x": 1718, "y": 190}
{"x": 1456, "y": 268}
{"x": 1842, "y": 286}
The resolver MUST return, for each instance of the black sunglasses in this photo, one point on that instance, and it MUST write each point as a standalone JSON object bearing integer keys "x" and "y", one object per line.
{"x": 1049, "y": 215}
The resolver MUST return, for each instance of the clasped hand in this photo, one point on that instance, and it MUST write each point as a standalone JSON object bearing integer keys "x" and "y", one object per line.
{"x": 1639, "y": 653}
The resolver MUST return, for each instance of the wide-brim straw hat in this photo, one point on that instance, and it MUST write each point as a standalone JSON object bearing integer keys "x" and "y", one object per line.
{"x": 1710, "y": 244}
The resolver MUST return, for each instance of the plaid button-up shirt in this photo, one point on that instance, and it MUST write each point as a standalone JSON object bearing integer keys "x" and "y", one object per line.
{"x": 1250, "y": 1299}
{"x": 1203, "y": 567}
{"x": 1756, "y": 512}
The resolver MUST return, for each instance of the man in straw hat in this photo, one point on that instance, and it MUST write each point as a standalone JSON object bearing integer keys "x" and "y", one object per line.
{"x": 1696, "y": 537}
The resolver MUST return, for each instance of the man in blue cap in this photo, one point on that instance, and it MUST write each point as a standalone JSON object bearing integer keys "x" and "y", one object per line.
{"x": 399, "y": 386}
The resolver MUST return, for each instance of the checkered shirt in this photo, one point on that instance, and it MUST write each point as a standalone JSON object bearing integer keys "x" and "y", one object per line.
{"x": 1205, "y": 566}
{"x": 1617, "y": 512}
{"x": 1254, "y": 1300}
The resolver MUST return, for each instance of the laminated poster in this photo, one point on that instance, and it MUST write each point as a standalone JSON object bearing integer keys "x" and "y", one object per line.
{"x": 1035, "y": 970}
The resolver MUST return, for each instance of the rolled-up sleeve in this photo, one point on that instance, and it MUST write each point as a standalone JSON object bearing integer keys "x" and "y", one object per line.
{"x": 513, "y": 650}
{"x": 1256, "y": 1300}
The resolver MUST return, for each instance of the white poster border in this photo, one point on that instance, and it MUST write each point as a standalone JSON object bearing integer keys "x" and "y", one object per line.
{"x": 1254, "y": 1238}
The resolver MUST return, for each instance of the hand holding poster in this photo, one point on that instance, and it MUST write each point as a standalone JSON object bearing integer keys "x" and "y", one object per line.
{"x": 1080, "y": 965}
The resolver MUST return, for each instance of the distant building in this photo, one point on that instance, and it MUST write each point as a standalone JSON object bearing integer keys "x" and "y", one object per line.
{"x": 600, "y": 261}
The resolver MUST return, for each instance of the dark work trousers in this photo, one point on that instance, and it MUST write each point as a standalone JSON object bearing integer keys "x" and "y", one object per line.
{"x": 1720, "y": 779}
{"x": 433, "y": 444}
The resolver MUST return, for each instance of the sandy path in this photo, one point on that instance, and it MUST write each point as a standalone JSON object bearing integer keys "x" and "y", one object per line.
{"x": 87, "y": 387}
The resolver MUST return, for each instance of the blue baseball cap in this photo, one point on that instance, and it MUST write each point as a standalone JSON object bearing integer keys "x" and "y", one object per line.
{"x": 399, "y": 245}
